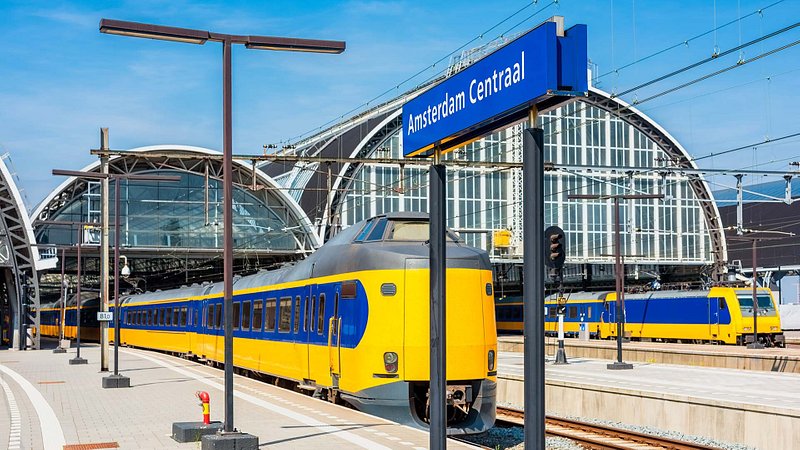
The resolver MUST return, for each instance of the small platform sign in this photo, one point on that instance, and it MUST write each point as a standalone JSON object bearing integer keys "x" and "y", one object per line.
{"x": 105, "y": 316}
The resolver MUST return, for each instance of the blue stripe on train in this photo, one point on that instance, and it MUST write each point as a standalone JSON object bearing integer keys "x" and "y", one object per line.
{"x": 682, "y": 310}
{"x": 354, "y": 313}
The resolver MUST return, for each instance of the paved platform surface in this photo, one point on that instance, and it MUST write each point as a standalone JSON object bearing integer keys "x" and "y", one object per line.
{"x": 759, "y": 389}
{"x": 46, "y": 403}
{"x": 756, "y": 408}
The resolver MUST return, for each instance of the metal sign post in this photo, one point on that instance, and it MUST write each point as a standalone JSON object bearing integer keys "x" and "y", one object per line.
{"x": 533, "y": 284}
{"x": 543, "y": 68}
{"x": 438, "y": 270}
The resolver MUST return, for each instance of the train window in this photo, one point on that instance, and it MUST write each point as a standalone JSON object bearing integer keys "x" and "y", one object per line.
{"x": 336, "y": 313}
{"x": 246, "y": 315}
{"x": 160, "y": 316}
{"x": 196, "y": 314}
{"x": 269, "y": 323}
{"x": 286, "y": 314}
{"x": 722, "y": 304}
{"x": 209, "y": 316}
{"x": 169, "y": 317}
{"x": 236, "y": 317}
{"x": 552, "y": 311}
{"x": 218, "y": 316}
{"x": 296, "y": 313}
{"x": 138, "y": 318}
{"x": 589, "y": 312}
{"x": 377, "y": 232}
{"x": 175, "y": 316}
{"x": 349, "y": 289}
{"x": 313, "y": 311}
{"x": 258, "y": 315}
{"x": 321, "y": 314}
{"x": 365, "y": 230}
{"x": 305, "y": 316}
{"x": 573, "y": 312}
{"x": 183, "y": 316}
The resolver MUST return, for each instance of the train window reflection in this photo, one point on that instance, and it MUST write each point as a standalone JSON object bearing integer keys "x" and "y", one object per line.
{"x": 258, "y": 313}
{"x": 269, "y": 325}
{"x": 305, "y": 315}
{"x": 377, "y": 232}
{"x": 296, "y": 313}
{"x": 573, "y": 312}
{"x": 321, "y": 314}
{"x": 246, "y": 316}
{"x": 286, "y": 314}
{"x": 365, "y": 230}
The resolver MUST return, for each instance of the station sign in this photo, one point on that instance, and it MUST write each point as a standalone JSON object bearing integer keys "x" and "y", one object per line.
{"x": 535, "y": 66}
{"x": 105, "y": 316}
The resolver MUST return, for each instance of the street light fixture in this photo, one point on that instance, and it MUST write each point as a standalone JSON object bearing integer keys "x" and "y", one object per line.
{"x": 187, "y": 35}
{"x": 116, "y": 380}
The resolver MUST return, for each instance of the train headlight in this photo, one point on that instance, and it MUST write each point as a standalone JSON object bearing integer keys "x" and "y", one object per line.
{"x": 390, "y": 362}
{"x": 491, "y": 360}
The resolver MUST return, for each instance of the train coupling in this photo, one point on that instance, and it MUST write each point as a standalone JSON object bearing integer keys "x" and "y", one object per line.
{"x": 460, "y": 397}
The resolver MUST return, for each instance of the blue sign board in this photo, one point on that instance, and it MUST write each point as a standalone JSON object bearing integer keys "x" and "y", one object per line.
{"x": 533, "y": 67}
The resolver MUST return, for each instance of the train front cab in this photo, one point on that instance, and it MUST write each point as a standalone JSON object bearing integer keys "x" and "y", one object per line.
{"x": 471, "y": 349}
{"x": 741, "y": 304}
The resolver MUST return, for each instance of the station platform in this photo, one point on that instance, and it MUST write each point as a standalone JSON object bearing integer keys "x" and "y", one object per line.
{"x": 755, "y": 408}
{"x": 703, "y": 355}
{"x": 49, "y": 404}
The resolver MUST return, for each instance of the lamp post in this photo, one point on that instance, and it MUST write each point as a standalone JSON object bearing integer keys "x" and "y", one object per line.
{"x": 116, "y": 380}
{"x": 63, "y": 313}
{"x": 81, "y": 226}
{"x": 619, "y": 269}
{"x": 191, "y": 36}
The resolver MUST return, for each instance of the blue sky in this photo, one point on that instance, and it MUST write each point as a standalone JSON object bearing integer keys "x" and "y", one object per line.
{"x": 61, "y": 80}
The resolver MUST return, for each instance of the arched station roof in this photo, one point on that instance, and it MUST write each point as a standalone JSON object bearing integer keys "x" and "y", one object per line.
{"x": 364, "y": 135}
{"x": 176, "y": 228}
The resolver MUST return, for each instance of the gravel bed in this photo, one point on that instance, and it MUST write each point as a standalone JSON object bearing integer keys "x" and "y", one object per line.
{"x": 511, "y": 438}
{"x": 666, "y": 433}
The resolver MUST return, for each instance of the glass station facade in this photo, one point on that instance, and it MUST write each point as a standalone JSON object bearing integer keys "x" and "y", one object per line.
{"x": 484, "y": 200}
{"x": 179, "y": 215}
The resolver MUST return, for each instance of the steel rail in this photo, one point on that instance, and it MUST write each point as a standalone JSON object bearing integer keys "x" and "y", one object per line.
{"x": 595, "y": 436}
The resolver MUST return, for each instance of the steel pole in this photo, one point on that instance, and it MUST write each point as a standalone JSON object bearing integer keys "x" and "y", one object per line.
{"x": 618, "y": 283}
{"x": 438, "y": 292}
{"x": 227, "y": 175}
{"x": 755, "y": 343}
{"x": 620, "y": 291}
{"x": 77, "y": 359}
{"x": 117, "y": 188}
{"x": 78, "y": 305}
{"x": 104, "y": 297}
{"x": 533, "y": 285}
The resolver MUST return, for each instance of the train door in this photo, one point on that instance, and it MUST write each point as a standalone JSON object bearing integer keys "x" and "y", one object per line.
{"x": 713, "y": 318}
{"x": 318, "y": 357}
{"x": 334, "y": 334}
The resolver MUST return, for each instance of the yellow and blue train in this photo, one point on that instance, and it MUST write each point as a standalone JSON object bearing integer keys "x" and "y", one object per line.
{"x": 720, "y": 315}
{"x": 350, "y": 322}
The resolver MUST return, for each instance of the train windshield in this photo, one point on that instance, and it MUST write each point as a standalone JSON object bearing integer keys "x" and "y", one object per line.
{"x": 413, "y": 231}
{"x": 765, "y": 306}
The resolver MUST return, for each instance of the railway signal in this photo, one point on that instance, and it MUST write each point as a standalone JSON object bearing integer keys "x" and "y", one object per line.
{"x": 555, "y": 248}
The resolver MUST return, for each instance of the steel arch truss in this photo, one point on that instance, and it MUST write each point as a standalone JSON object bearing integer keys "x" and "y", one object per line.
{"x": 18, "y": 253}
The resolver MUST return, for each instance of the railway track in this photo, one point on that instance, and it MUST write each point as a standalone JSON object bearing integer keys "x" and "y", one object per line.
{"x": 593, "y": 436}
